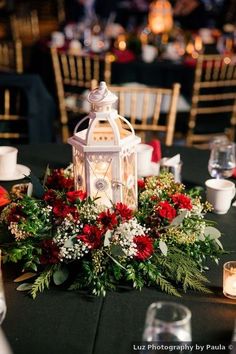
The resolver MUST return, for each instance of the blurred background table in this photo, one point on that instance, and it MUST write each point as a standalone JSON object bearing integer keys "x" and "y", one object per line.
{"x": 39, "y": 107}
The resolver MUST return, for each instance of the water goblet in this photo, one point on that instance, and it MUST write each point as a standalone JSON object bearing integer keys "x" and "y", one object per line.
{"x": 167, "y": 322}
{"x": 222, "y": 159}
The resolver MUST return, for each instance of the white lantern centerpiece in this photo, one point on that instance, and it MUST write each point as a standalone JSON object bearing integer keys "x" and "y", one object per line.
{"x": 104, "y": 154}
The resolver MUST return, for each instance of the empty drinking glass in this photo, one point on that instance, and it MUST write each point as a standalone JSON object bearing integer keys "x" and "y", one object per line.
{"x": 167, "y": 322}
{"x": 222, "y": 159}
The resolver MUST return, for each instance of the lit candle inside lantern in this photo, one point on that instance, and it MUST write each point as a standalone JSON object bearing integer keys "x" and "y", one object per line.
{"x": 229, "y": 280}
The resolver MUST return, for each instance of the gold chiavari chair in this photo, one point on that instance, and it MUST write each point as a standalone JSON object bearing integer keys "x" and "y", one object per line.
{"x": 213, "y": 109}
{"x": 25, "y": 28}
{"x": 144, "y": 106}
{"x": 11, "y": 56}
{"x": 13, "y": 123}
{"x": 74, "y": 74}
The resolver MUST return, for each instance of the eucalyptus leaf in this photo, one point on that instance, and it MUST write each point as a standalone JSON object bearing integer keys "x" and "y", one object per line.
{"x": 46, "y": 174}
{"x": 115, "y": 261}
{"x": 24, "y": 287}
{"x": 60, "y": 275}
{"x": 163, "y": 247}
{"x": 30, "y": 190}
{"x": 69, "y": 243}
{"x": 107, "y": 238}
{"x": 116, "y": 250}
{"x": 212, "y": 232}
{"x": 179, "y": 219}
{"x": 201, "y": 237}
{"x": 219, "y": 243}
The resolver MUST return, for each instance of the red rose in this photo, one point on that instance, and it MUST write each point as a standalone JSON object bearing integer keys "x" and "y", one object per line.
{"x": 57, "y": 180}
{"x": 50, "y": 196}
{"x": 144, "y": 247}
{"x": 182, "y": 201}
{"x": 123, "y": 211}
{"x": 4, "y": 197}
{"x": 61, "y": 209}
{"x": 141, "y": 184}
{"x": 92, "y": 236}
{"x": 165, "y": 210}
{"x": 107, "y": 219}
{"x": 50, "y": 252}
{"x": 74, "y": 195}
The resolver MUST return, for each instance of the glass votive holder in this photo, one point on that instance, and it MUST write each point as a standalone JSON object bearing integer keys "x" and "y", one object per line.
{"x": 167, "y": 322}
{"x": 229, "y": 279}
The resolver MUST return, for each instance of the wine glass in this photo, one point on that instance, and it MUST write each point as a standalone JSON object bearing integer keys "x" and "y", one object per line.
{"x": 167, "y": 322}
{"x": 222, "y": 159}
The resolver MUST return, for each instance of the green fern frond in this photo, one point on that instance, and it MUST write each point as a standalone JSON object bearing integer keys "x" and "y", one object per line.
{"x": 180, "y": 268}
{"x": 166, "y": 286}
{"x": 42, "y": 282}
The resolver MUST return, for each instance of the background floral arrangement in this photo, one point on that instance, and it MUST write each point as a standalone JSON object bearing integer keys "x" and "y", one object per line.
{"x": 65, "y": 237}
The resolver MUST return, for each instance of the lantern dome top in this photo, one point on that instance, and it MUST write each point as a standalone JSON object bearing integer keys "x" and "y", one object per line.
{"x": 101, "y": 95}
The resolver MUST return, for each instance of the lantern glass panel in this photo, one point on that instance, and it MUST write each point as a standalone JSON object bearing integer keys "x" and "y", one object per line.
{"x": 79, "y": 171}
{"x": 128, "y": 178}
{"x": 100, "y": 176}
{"x": 104, "y": 133}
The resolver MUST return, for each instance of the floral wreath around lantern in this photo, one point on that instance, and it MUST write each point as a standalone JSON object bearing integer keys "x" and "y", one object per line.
{"x": 59, "y": 235}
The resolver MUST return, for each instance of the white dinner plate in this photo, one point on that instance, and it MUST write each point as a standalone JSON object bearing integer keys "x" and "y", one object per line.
{"x": 152, "y": 170}
{"x": 21, "y": 172}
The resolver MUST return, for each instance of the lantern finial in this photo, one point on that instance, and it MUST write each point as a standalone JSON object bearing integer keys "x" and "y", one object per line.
{"x": 101, "y": 97}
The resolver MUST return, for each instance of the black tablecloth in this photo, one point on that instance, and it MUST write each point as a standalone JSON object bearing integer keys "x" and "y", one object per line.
{"x": 41, "y": 110}
{"x": 60, "y": 322}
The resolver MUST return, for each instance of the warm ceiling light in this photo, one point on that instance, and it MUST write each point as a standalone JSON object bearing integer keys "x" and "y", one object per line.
{"x": 160, "y": 17}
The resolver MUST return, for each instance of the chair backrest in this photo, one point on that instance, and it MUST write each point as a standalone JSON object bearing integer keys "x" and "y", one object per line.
{"x": 11, "y": 56}
{"x": 13, "y": 121}
{"x": 150, "y": 110}
{"x": 213, "y": 109}
{"x": 73, "y": 73}
{"x": 25, "y": 28}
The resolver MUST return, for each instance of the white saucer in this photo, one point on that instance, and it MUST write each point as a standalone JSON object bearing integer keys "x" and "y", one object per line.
{"x": 20, "y": 173}
{"x": 152, "y": 170}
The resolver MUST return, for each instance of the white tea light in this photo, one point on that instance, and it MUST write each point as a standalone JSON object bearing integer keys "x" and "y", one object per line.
{"x": 229, "y": 279}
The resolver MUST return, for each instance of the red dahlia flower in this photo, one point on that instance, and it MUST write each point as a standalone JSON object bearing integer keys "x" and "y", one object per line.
{"x": 107, "y": 219}
{"x": 123, "y": 211}
{"x": 144, "y": 247}
{"x": 74, "y": 195}
{"x": 182, "y": 201}
{"x": 50, "y": 252}
{"x": 165, "y": 210}
{"x": 92, "y": 236}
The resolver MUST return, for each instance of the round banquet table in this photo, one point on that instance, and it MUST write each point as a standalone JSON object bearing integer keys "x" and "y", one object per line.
{"x": 60, "y": 321}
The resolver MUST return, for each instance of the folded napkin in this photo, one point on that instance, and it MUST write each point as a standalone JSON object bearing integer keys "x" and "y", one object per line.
{"x": 124, "y": 56}
{"x": 156, "y": 154}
